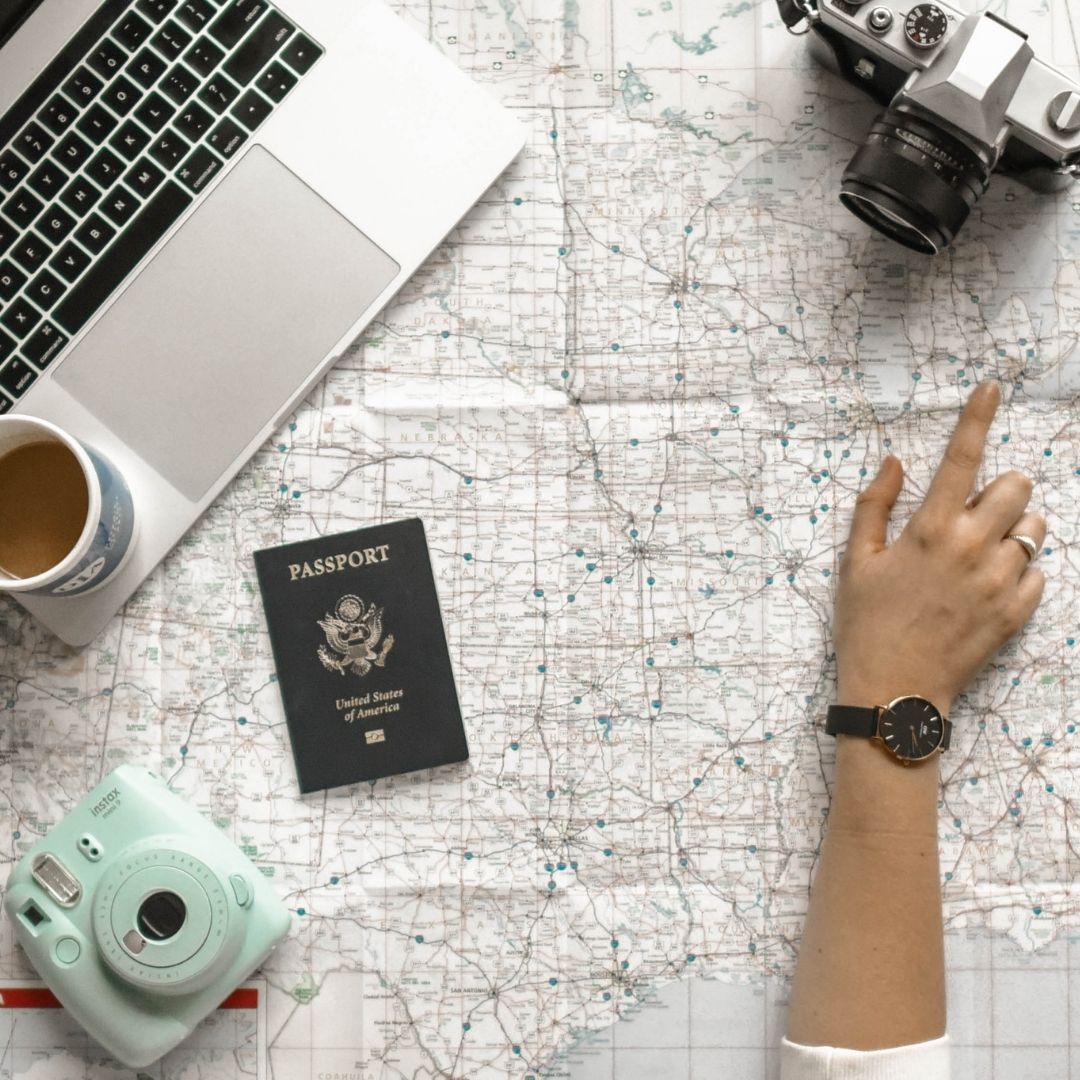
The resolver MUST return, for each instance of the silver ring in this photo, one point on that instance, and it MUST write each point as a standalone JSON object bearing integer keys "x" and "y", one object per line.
{"x": 1027, "y": 543}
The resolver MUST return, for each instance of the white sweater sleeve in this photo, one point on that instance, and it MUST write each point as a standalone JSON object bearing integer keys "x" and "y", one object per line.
{"x": 920, "y": 1061}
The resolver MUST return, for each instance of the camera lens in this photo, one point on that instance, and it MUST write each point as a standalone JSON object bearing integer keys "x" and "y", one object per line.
{"x": 914, "y": 181}
{"x": 160, "y": 916}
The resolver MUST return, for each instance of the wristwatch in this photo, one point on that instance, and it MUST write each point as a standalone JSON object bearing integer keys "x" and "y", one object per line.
{"x": 910, "y": 728}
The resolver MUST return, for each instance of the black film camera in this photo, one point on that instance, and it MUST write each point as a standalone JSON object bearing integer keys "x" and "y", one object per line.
{"x": 966, "y": 96}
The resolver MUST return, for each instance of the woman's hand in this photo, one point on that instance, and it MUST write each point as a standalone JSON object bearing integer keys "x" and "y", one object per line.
{"x": 924, "y": 615}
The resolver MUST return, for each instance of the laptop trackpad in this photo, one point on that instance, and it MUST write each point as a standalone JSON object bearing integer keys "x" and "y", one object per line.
{"x": 225, "y": 324}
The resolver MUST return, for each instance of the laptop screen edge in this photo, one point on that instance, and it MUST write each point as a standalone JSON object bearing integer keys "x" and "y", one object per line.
{"x": 13, "y": 13}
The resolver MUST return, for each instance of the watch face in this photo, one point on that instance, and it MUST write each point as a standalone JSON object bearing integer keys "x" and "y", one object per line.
{"x": 911, "y": 728}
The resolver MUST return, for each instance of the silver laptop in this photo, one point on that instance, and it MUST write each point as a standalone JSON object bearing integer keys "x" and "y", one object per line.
{"x": 202, "y": 203}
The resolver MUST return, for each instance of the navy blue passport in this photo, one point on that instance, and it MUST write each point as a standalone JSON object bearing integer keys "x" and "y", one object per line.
{"x": 361, "y": 655}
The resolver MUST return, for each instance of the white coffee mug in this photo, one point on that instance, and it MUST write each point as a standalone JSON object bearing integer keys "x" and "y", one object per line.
{"x": 107, "y": 536}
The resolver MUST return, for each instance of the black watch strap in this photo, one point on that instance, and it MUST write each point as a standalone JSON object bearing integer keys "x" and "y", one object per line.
{"x": 851, "y": 720}
{"x": 857, "y": 720}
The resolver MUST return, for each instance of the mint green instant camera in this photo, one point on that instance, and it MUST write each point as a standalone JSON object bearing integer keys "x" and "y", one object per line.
{"x": 140, "y": 915}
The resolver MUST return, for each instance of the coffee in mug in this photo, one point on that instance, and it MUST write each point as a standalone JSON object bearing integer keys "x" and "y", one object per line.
{"x": 66, "y": 517}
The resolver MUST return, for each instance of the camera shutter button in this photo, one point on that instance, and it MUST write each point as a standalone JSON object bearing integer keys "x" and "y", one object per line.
{"x": 880, "y": 20}
{"x": 67, "y": 950}
{"x": 240, "y": 890}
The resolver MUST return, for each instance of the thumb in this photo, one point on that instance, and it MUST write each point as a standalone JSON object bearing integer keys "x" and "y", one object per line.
{"x": 873, "y": 507}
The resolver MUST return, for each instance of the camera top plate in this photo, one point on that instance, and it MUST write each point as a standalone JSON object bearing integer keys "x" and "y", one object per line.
{"x": 1028, "y": 117}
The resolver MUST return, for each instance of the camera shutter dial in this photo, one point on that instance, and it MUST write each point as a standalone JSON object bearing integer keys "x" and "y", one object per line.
{"x": 926, "y": 26}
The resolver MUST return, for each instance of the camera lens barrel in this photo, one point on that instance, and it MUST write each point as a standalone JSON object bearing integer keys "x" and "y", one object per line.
{"x": 914, "y": 181}
{"x": 161, "y": 920}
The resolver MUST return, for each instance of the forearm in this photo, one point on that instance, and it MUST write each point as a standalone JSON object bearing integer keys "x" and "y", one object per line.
{"x": 915, "y": 617}
{"x": 871, "y": 968}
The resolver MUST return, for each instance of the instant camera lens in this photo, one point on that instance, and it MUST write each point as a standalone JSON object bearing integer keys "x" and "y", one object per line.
{"x": 914, "y": 181}
{"x": 160, "y": 916}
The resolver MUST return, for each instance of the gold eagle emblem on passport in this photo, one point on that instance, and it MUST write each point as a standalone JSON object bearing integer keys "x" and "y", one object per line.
{"x": 353, "y": 632}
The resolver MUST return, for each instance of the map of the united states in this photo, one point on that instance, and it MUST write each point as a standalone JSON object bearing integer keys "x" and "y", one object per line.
{"x": 632, "y": 397}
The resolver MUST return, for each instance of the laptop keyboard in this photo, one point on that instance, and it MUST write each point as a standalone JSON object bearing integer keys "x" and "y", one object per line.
{"x": 112, "y": 142}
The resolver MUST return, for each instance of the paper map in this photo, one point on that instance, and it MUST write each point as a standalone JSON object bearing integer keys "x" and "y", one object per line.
{"x": 632, "y": 397}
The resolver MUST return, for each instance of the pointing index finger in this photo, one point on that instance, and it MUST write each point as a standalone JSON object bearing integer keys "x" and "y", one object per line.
{"x": 956, "y": 475}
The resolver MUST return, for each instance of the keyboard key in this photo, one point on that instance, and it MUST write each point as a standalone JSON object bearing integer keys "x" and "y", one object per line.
{"x": 45, "y": 290}
{"x": 167, "y": 149}
{"x": 107, "y": 58}
{"x": 120, "y": 205}
{"x": 156, "y": 10}
{"x": 12, "y": 279}
{"x": 196, "y": 14}
{"x": 204, "y": 56}
{"x": 22, "y": 208}
{"x": 8, "y": 233}
{"x": 122, "y": 257}
{"x": 16, "y": 377}
{"x": 20, "y": 318}
{"x": 236, "y": 20}
{"x": 43, "y": 345}
{"x": 199, "y": 169}
{"x": 121, "y": 96}
{"x": 33, "y": 143}
{"x": 218, "y": 93}
{"x": 73, "y": 151}
{"x": 58, "y": 115}
{"x": 79, "y": 196}
{"x": 95, "y": 233}
{"x": 276, "y": 81}
{"x": 131, "y": 31}
{"x": 301, "y": 53}
{"x": 12, "y": 170}
{"x": 5, "y": 404}
{"x": 96, "y": 124}
{"x": 31, "y": 252}
{"x": 130, "y": 140}
{"x": 251, "y": 110}
{"x": 69, "y": 262}
{"x": 55, "y": 224}
{"x": 105, "y": 168}
{"x": 171, "y": 40}
{"x": 47, "y": 179}
{"x": 179, "y": 84}
{"x": 144, "y": 178}
{"x": 83, "y": 86}
{"x": 258, "y": 48}
{"x": 155, "y": 112}
{"x": 146, "y": 68}
{"x": 7, "y": 346}
{"x": 193, "y": 121}
{"x": 227, "y": 138}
